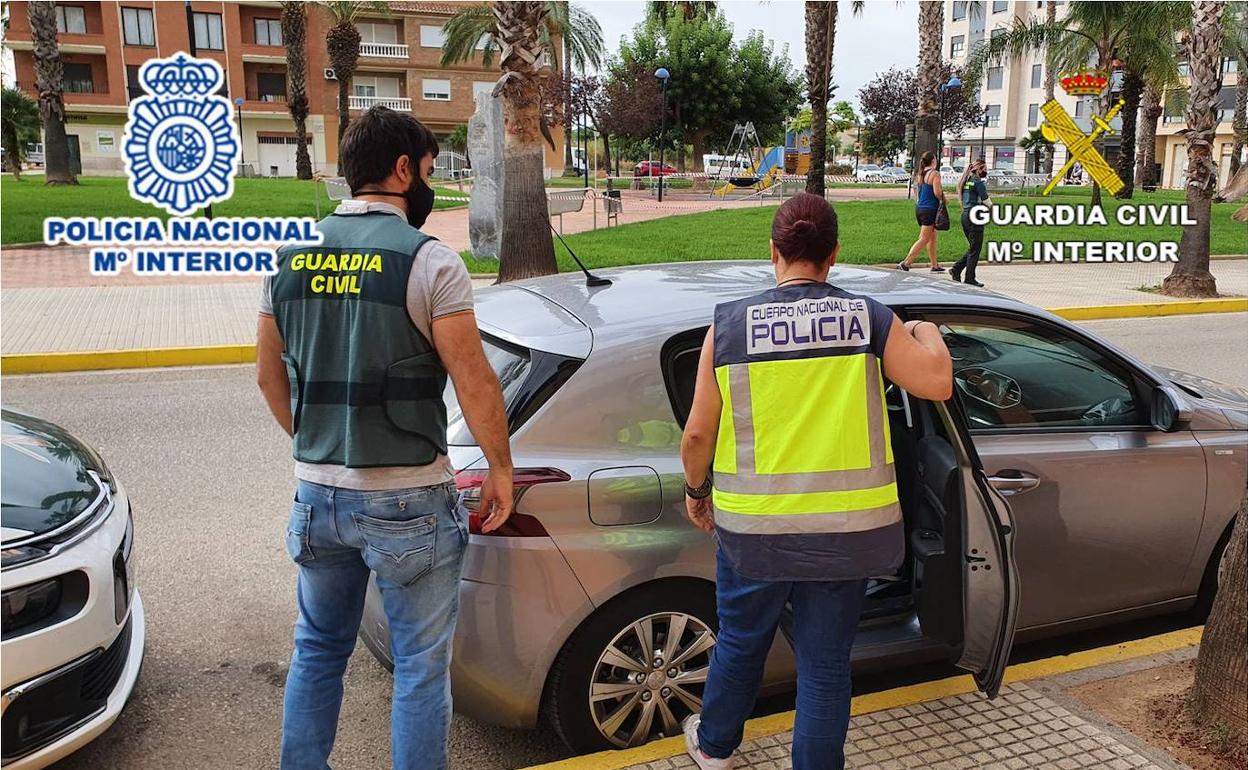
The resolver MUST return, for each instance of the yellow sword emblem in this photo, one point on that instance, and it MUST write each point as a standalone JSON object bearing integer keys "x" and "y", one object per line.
{"x": 1059, "y": 126}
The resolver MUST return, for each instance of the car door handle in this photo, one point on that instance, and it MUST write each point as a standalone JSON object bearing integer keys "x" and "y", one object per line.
{"x": 1014, "y": 482}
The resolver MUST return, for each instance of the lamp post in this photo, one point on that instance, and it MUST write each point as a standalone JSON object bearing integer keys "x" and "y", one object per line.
{"x": 194, "y": 51}
{"x": 857, "y": 144}
{"x": 238, "y": 111}
{"x": 983, "y": 131}
{"x": 662, "y": 74}
{"x": 954, "y": 84}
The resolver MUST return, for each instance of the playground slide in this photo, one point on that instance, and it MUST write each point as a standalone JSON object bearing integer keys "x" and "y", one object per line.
{"x": 764, "y": 176}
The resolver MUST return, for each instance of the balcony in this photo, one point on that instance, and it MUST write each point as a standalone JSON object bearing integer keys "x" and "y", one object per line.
{"x": 384, "y": 50}
{"x": 393, "y": 102}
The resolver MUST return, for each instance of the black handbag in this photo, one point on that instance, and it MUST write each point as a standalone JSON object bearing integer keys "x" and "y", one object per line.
{"x": 942, "y": 217}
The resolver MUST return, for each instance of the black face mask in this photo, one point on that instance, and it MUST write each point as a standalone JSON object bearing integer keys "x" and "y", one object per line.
{"x": 419, "y": 199}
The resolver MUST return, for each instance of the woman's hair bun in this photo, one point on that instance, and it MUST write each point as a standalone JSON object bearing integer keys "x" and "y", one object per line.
{"x": 803, "y": 227}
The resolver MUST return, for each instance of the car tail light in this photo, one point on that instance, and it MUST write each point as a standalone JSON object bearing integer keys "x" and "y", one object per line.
{"x": 518, "y": 524}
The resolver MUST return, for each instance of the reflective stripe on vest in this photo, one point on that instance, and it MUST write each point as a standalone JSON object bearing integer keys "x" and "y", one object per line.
{"x": 803, "y": 446}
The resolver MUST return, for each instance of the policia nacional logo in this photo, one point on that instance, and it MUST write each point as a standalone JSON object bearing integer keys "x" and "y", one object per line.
{"x": 180, "y": 144}
{"x": 1060, "y": 127}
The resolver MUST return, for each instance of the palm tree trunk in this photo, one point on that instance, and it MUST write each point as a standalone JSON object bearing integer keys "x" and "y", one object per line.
{"x": 50, "y": 82}
{"x": 927, "y": 119}
{"x": 1132, "y": 85}
{"x": 527, "y": 249}
{"x": 1239, "y": 122}
{"x": 1191, "y": 276}
{"x": 606, "y": 151}
{"x": 820, "y": 40}
{"x": 568, "y": 169}
{"x": 1050, "y": 16}
{"x": 1222, "y": 664}
{"x": 295, "y": 38}
{"x": 1146, "y": 143}
{"x": 344, "y": 113}
{"x": 342, "y": 43}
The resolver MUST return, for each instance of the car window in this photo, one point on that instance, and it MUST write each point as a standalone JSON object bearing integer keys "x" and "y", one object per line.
{"x": 1020, "y": 374}
{"x": 680, "y": 370}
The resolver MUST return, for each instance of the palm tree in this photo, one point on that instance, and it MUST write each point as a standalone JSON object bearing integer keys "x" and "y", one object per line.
{"x": 820, "y": 40}
{"x": 1037, "y": 145}
{"x": 295, "y": 38}
{"x": 1148, "y": 56}
{"x": 50, "y": 83}
{"x": 1146, "y": 143}
{"x": 1050, "y": 16}
{"x": 689, "y": 10}
{"x": 1091, "y": 31}
{"x": 342, "y": 44}
{"x": 927, "y": 120}
{"x": 523, "y": 33}
{"x": 1190, "y": 276}
{"x": 19, "y": 124}
{"x": 457, "y": 140}
{"x": 579, "y": 32}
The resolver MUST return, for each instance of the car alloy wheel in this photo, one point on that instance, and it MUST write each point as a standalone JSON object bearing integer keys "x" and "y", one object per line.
{"x": 650, "y": 677}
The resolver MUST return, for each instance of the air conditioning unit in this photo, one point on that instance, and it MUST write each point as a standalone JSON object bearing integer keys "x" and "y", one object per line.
{"x": 330, "y": 74}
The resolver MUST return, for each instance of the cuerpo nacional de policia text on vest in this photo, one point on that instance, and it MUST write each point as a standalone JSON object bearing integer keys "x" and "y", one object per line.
{"x": 365, "y": 384}
{"x": 804, "y": 481}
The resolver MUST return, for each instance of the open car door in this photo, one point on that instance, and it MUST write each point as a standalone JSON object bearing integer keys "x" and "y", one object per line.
{"x": 965, "y": 581}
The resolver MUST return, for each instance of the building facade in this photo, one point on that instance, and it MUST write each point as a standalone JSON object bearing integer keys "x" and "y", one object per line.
{"x": 104, "y": 43}
{"x": 1012, "y": 94}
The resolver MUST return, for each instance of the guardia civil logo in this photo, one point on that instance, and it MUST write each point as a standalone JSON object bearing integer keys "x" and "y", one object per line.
{"x": 179, "y": 143}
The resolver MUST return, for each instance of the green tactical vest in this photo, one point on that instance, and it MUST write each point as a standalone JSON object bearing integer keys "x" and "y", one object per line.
{"x": 365, "y": 384}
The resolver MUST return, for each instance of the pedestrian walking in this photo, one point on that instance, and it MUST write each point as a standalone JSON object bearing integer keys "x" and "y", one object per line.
{"x": 926, "y": 207}
{"x": 973, "y": 192}
{"x": 803, "y": 505}
{"x": 355, "y": 340}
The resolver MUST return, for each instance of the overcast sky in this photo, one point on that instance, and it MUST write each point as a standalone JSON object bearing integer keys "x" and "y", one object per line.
{"x": 884, "y": 35}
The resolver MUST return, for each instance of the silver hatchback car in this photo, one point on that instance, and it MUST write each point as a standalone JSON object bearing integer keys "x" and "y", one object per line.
{"x": 1066, "y": 485}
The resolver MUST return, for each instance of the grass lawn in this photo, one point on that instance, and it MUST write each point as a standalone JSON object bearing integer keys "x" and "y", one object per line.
{"x": 872, "y": 232}
{"x": 26, "y": 203}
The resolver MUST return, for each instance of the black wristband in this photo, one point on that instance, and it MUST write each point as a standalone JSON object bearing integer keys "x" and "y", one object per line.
{"x": 700, "y": 492}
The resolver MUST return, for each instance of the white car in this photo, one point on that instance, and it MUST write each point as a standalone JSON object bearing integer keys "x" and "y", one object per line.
{"x": 868, "y": 172}
{"x": 73, "y": 626}
{"x": 949, "y": 175}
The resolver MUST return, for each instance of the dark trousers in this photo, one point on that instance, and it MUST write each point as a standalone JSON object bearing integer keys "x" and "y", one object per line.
{"x": 975, "y": 238}
{"x": 825, "y": 618}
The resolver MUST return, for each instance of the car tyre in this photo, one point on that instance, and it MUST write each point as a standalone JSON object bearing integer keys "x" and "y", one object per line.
{"x": 686, "y": 606}
{"x": 1209, "y": 583}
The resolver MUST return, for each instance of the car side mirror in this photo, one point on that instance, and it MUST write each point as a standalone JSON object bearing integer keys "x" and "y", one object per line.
{"x": 1170, "y": 409}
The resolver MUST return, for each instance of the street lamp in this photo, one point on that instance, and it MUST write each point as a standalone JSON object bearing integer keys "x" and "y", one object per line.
{"x": 983, "y": 130}
{"x": 662, "y": 74}
{"x": 238, "y": 111}
{"x": 954, "y": 84}
{"x": 857, "y": 144}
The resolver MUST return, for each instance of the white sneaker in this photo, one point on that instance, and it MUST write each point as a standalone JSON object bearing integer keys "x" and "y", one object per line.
{"x": 691, "y": 745}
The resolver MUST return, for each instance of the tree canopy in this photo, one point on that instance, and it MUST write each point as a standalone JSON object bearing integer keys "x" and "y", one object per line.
{"x": 890, "y": 102}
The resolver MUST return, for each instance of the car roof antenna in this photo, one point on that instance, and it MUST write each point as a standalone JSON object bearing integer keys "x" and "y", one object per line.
{"x": 590, "y": 278}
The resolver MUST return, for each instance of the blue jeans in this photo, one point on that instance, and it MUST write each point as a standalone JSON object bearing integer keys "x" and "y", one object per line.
{"x": 414, "y": 540}
{"x": 825, "y": 617}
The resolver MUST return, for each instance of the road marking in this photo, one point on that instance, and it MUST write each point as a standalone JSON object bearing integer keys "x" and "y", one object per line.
{"x": 900, "y": 696}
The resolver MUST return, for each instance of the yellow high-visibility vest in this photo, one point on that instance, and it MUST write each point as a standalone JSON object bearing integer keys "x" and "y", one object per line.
{"x": 804, "y": 484}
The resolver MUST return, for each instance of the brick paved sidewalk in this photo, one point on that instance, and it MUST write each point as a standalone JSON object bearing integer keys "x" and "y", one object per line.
{"x": 1020, "y": 730}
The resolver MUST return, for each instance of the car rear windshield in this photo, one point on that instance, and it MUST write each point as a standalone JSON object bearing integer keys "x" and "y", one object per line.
{"x": 528, "y": 379}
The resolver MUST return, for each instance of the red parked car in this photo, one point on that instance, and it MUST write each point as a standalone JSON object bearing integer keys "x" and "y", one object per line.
{"x": 653, "y": 168}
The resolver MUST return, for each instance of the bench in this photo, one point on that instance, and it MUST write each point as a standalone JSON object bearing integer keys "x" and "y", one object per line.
{"x": 566, "y": 202}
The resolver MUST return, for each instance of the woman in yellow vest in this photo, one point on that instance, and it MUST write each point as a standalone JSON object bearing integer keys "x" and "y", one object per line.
{"x": 802, "y": 496}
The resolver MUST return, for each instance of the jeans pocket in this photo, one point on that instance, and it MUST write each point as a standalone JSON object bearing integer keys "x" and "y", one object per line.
{"x": 297, "y": 533}
{"x": 399, "y": 551}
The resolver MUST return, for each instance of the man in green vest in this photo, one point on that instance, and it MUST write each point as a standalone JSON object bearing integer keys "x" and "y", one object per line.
{"x": 356, "y": 338}
{"x": 789, "y": 403}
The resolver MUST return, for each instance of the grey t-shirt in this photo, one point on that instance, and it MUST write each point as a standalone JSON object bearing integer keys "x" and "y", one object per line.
{"x": 437, "y": 286}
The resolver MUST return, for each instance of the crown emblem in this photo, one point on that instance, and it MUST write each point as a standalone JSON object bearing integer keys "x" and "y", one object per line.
{"x": 181, "y": 75}
{"x": 1084, "y": 82}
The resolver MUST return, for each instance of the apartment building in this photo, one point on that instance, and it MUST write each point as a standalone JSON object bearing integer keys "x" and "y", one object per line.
{"x": 1013, "y": 92}
{"x": 104, "y": 43}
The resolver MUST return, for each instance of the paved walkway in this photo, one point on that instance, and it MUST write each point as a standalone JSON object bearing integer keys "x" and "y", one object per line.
{"x": 1034, "y": 725}
{"x": 78, "y": 312}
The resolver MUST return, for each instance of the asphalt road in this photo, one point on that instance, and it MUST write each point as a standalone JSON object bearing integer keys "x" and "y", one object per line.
{"x": 210, "y": 478}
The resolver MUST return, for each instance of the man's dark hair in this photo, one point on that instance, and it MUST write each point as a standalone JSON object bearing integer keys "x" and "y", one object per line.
{"x": 376, "y": 140}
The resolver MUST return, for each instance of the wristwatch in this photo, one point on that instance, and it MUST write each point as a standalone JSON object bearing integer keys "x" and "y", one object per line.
{"x": 700, "y": 492}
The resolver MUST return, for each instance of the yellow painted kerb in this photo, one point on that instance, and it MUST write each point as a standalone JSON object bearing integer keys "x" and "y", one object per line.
{"x": 901, "y": 696}
{"x": 1140, "y": 309}
{"x": 42, "y": 363}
